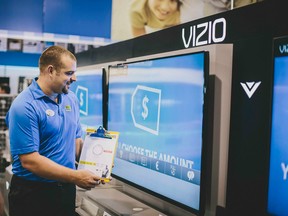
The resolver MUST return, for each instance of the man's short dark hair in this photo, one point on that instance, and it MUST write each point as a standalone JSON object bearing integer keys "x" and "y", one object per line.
{"x": 52, "y": 56}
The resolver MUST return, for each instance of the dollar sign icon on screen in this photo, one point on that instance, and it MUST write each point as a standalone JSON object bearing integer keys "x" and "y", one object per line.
{"x": 81, "y": 99}
{"x": 145, "y": 108}
{"x": 144, "y": 105}
{"x": 82, "y": 95}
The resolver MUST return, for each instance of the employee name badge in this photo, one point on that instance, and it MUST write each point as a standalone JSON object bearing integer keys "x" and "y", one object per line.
{"x": 98, "y": 152}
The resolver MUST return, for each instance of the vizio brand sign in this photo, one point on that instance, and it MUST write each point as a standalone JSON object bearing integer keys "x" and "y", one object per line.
{"x": 204, "y": 33}
{"x": 283, "y": 48}
{"x": 250, "y": 87}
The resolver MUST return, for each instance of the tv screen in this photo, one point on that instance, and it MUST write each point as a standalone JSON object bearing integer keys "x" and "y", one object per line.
{"x": 89, "y": 91}
{"x": 157, "y": 105}
{"x": 278, "y": 178}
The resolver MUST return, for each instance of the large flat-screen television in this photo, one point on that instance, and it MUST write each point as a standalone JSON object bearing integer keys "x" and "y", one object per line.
{"x": 89, "y": 91}
{"x": 278, "y": 171}
{"x": 158, "y": 106}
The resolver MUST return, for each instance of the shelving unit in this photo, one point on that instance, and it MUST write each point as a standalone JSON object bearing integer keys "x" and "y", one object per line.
{"x": 5, "y": 158}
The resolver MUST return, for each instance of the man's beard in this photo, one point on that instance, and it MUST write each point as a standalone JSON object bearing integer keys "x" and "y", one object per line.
{"x": 65, "y": 90}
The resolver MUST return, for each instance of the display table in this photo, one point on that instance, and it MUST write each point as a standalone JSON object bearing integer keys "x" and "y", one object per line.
{"x": 110, "y": 200}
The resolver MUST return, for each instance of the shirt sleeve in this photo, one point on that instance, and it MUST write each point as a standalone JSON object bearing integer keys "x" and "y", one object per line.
{"x": 77, "y": 113}
{"x": 79, "y": 130}
{"x": 23, "y": 129}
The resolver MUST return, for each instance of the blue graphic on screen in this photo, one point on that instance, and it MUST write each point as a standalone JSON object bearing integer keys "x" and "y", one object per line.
{"x": 157, "y": 106}
{"x": 88, "y": 89}
{"x": 278, "y": 178}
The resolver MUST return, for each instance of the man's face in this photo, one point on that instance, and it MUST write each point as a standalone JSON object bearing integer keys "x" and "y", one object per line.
{"x": 162, "y": 9}
{"x": 64, "y": 76}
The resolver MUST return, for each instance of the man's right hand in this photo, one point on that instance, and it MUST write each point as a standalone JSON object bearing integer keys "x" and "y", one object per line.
{"x": 86, "y": 179}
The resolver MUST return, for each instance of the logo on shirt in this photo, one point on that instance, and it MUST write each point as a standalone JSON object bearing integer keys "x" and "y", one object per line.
{"x": 50, "y": 112}
{"x": 68, "y": 108}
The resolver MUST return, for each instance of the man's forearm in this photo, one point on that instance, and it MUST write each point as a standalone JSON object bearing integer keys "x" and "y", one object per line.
{"x": 79, "y": 145}
{"x": 46, "y": 168}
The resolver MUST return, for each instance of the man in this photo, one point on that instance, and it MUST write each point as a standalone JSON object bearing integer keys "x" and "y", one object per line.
{"x": 44, "y": 126}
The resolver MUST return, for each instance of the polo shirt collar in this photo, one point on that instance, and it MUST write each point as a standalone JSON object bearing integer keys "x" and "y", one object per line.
{"x": 37, "y": 91}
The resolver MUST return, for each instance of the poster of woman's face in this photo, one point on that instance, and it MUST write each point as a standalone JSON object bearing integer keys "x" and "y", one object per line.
{"x": 133, "y": 18}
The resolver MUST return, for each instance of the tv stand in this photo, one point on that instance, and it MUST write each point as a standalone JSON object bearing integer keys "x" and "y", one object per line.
{"x": 111, "y": 201}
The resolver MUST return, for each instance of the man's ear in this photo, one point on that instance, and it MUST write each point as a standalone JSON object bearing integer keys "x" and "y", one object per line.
{"x": 50, "y": 69}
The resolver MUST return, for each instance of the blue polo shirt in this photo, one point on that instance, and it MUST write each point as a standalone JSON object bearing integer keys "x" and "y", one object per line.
{"x": 38, "y": 124}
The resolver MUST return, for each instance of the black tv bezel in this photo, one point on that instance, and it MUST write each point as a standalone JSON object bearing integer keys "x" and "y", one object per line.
{"x": 206, "y": 145}
{"x": 104, "y": 97}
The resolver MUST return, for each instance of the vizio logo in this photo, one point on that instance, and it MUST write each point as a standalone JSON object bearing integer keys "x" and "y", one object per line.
{"x": 283, "y": 49}
{"x": 250, "y": 87}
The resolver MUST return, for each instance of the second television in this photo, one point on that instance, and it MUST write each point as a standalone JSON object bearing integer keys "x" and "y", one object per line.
{"x": 278, "y": 169}
{"x": 159, "y": 107}
{"x": 89, "y": 91}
